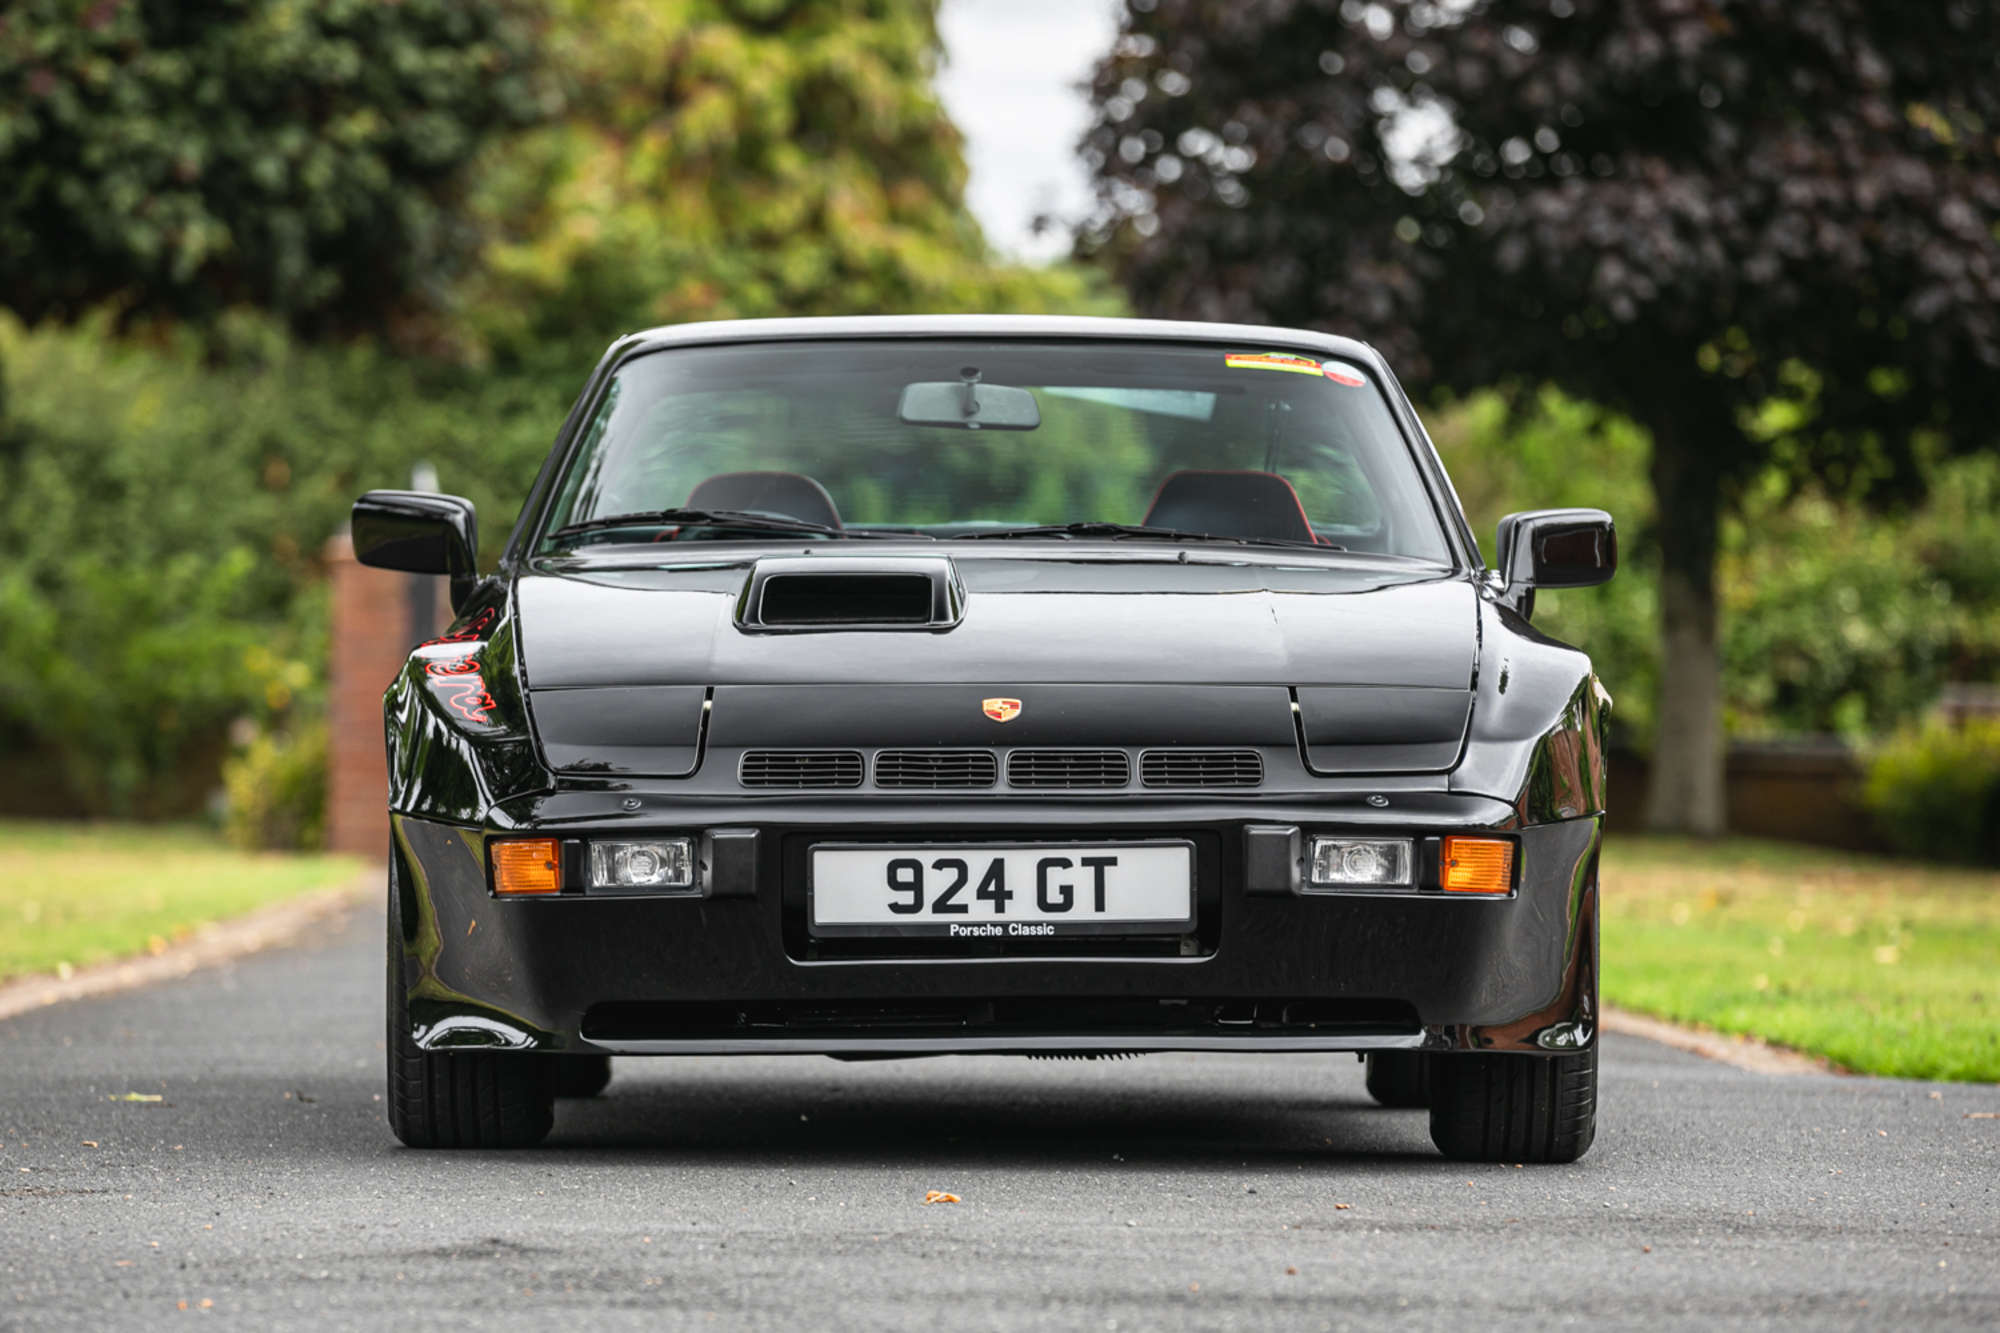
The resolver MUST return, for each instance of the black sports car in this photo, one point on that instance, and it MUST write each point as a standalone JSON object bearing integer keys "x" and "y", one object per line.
{"x": 911, "y": 686}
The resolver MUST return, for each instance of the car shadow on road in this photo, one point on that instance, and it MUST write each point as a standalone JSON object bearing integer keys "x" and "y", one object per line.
{"x": 990, "y": 1119}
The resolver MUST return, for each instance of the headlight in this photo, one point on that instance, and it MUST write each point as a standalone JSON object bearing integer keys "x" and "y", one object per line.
{"x": 660, "y": 863}
{"x": 1341, "y": 862}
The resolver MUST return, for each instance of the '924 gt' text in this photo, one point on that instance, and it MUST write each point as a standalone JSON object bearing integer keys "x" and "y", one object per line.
{"x": 1145, "y": 887}
{"x": 905, "y": 875}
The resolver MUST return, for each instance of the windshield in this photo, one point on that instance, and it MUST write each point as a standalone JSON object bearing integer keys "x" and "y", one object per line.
{"x": 968, "y": 440}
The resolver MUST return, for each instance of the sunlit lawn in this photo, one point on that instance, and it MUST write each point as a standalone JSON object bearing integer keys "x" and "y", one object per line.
{"x": 74, "y": 894}
{"x": 1883, "y": 966}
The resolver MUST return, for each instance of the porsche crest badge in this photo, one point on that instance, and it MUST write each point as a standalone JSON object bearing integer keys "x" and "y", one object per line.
{"x": 1001, "y": 710}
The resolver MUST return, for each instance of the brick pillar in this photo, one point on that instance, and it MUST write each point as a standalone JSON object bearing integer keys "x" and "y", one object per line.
{"x": 370, "y": 638}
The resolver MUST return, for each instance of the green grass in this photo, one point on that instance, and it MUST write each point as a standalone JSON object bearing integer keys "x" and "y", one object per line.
{"x": 1882, "y": 966}
{"x": 75, "y": 894}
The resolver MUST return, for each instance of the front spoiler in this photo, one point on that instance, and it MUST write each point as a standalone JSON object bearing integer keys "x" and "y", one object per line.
{"x": 1084, "y": 1044}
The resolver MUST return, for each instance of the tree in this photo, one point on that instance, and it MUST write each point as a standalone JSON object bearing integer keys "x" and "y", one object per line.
{"x": 734, "y": 159}
{"x": 304, "y": 157}
{"x": 1764, "y": 230}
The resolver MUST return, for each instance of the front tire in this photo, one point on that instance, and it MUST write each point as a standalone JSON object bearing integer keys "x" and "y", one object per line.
{"x": 1514, "y": 1108}
{"x": 458, "y": 1099}
{"x": 1400, "y": 1078}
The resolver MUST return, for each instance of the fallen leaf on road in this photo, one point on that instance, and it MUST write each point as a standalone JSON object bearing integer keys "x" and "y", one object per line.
{"x": 1291, "y": 1272}
{"x": 470, "y": 924}
{"x": 1342, "y": 1207}
{"x": 90, "y": 1143}
{"x": 939, "y": 1196}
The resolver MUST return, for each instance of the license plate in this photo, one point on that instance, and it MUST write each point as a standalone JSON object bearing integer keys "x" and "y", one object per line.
{"x": 991, "y": 891}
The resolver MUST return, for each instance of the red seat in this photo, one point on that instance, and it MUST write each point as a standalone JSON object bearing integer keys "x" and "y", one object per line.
{"x": 1231, "y": 504}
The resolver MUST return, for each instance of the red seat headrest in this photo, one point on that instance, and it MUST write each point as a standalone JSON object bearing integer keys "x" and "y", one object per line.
{"x": 1231, "y": 504}
{"x": 790, "y": 494}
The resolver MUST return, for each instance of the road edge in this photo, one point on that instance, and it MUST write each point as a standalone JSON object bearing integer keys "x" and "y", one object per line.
{"x": 1748, "y": 1053}
{"x": 209, "y": 945}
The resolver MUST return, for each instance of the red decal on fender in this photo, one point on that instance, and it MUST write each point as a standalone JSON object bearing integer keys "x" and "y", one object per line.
{"x": 458, "y": 680}
{"x": 463, "y": 666}
{"x": 467, "y": 696}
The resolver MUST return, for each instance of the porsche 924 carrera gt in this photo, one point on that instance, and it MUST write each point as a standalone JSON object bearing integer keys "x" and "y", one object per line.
{"x": 888, "y": 687}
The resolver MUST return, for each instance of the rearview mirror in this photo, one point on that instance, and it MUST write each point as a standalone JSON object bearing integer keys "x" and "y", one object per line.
{"x": 419, "y": 532}
{"x": 968, "y": 405}
{"x": 1553, "y": 548}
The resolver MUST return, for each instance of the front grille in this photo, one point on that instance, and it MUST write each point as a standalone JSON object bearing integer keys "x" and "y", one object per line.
{"x": 1068, "y": 768}
{"x": 800, "y": 768}
{"x": 936, "y": 768}
{"x": 1201, "y": 768}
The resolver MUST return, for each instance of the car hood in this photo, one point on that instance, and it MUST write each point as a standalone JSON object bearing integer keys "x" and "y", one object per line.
{"x": 1075, "y": 621}
{"x": 634, "y": 671}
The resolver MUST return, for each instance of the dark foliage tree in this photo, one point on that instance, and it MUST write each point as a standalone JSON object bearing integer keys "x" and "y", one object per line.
{"x": 305, "y": 158}
{"x": 1764, "y": 229}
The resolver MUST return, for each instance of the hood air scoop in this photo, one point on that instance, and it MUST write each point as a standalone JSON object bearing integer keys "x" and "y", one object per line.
{"x": 804, "y": 594}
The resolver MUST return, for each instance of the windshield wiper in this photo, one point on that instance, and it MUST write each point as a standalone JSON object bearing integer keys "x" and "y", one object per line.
{"x": 711, "y": 518}
{"x": 1091, "y": 529}
{"x": 1135, "y": 531}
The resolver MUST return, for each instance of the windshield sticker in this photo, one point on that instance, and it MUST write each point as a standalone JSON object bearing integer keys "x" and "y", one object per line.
{"x": 1300, "y": 365}
{"x": 1340, "y": 373}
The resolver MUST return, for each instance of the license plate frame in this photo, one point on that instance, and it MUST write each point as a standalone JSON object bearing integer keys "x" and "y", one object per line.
{"x": 928, "y": 925}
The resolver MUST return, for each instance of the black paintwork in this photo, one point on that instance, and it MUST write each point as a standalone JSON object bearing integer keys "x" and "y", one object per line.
{"x": 603, "y": 694}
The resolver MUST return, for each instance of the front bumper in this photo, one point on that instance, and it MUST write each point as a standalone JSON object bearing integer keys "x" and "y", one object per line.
{"x": 731, "y": 970}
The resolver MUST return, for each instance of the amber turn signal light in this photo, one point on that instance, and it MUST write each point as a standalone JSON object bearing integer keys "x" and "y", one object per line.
{"x": 526, "y": 865}
{"x": 1477, "y": 865}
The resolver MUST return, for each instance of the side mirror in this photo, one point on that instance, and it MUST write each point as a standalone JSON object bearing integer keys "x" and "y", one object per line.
{"x": 1553, "y": 548}
{"x": 419, "y": 532}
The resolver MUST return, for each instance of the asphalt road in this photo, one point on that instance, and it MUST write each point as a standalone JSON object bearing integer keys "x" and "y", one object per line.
{"x": 1167, "y": 1191}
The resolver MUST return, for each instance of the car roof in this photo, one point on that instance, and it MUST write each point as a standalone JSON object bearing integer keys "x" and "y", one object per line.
{"x": 991, "y": 326}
